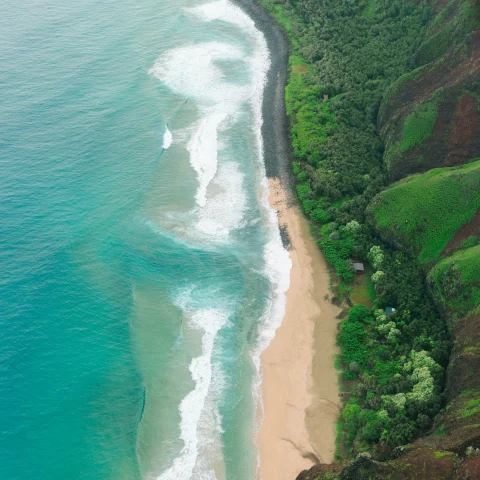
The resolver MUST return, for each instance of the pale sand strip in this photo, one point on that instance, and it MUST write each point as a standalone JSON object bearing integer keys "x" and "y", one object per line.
{"x": 299, "y": 382}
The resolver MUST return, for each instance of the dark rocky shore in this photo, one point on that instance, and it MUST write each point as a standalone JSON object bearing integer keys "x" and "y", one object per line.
{"x": 275, "y": 130}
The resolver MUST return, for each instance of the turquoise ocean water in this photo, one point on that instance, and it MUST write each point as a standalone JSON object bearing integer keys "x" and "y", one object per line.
{"x": 142, "y": 271}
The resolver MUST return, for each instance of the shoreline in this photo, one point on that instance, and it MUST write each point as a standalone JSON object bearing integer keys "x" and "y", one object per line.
{"x": 275, "y": 127}
{"x": 299, "y": 382}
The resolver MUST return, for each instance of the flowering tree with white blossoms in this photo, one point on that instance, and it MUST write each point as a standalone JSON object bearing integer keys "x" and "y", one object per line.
{"x": 376, "y": 257}
{"x": 422, "y": 368}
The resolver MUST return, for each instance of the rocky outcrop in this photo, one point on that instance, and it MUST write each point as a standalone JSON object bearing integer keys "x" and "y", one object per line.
{"x": 421, "y": 463}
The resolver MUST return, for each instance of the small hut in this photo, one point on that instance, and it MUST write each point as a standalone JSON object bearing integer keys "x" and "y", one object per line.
{"x": 358, "y": 267}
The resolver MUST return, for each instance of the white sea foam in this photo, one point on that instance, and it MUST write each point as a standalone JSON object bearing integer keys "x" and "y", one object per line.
{"x": 206, "y": 227}
{"x": 203, "y": 150}
{"x": 277, "y": 260}
{"x": 192, "y": 407}
{"x": 225, "y": 210}
{"x": 167, "y": 138}
{"x": 210, "y": 451}
{"x": 191, "y": 71}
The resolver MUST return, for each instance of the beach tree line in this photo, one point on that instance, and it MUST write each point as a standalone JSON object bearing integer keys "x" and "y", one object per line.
{"x": 345, "y": 55}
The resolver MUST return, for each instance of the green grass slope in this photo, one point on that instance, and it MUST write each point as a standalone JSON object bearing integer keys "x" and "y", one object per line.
{"x": 418, "y": 126}
{"x": 455, "y": 282}
{"x": 422, "y": 213}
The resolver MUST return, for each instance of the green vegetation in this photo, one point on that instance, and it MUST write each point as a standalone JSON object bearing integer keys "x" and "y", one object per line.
{"x": 472, "y": 349}
{"x": 469, "y": 404}
{"x": 354, "y": 351}
{"x": 283, "y": 17}
{"x": 469, "y": 242}
{"x": 363, "y": 292}
{"x": 472, "y": 407}
{"x": 442, "y": 16}
{"x": 441, "y": 431}
{"x": 456, "y": 21}
{"x": 423, "y": 212}
{"x": 395, "y": 87}
{"x": 369, "y": 9}
{"x": 396, "y": 389}
{"x": 418, "y": 125}
{"x": 337, "y": 250}
{"x": 455, "y": 282}
{"x": 443, "y": 454}
{"x": 346, "y": 57}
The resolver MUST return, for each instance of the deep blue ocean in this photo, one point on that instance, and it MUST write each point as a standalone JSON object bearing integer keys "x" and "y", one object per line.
{"x": 142, "y": 271}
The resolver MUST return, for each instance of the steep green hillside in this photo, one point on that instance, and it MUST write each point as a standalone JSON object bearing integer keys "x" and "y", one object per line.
{"x": 430, "y": 117}
{"x": 456, "y": 20}
{"x": 345, "y": 55}
{"x": 455, "y": 282}
{"x": 423, "y": 212}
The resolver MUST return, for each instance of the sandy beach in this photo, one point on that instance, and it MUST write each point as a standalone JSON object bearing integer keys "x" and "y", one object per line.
{"x": 299, "y": 382}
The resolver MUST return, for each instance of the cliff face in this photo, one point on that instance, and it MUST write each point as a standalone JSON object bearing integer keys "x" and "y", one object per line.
{"x": 430, "y": 119}
{"x": 418, "y": 463}
{"x": 430, "y": 116}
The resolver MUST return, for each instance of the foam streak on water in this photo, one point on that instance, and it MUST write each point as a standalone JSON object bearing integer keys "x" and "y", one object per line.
{"x": 203, "y": 148}
{"x": 191, "y": 71}
{"x": 225, "y": 211}
{"x": 192, "y": 406}
{"x": 277, "y": 260}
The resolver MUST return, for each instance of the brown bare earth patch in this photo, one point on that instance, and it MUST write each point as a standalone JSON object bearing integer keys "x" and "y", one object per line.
{"x": 464, "y": 138}
{"x": 476, "y": 49}
{"x": 464, "y": 355}
{"x": 300, "y": 69}
{"x": 472, "y": 228}
{"x": 455, "y": 139}
{"x": 469, "y": 469}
